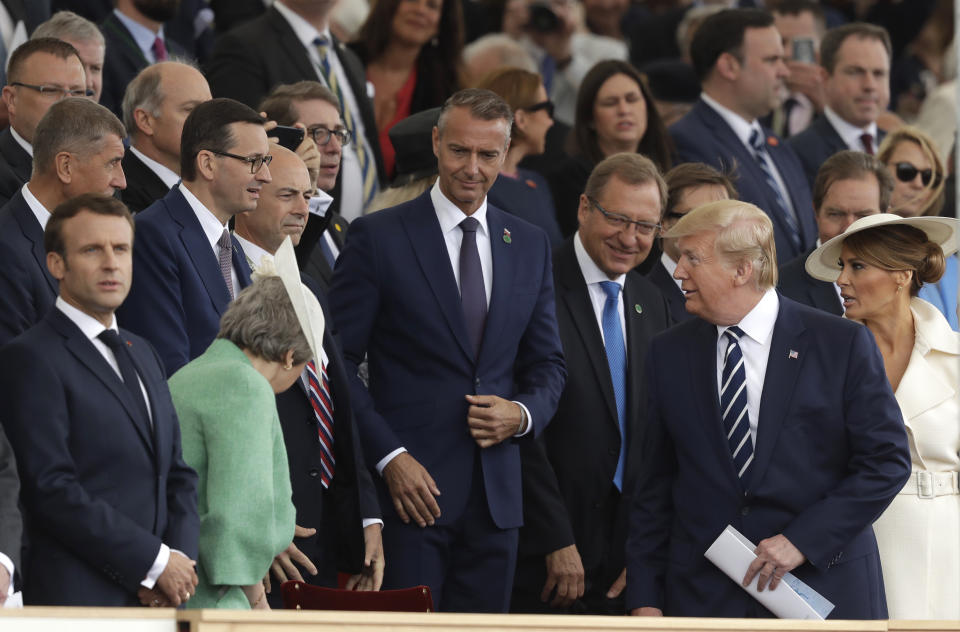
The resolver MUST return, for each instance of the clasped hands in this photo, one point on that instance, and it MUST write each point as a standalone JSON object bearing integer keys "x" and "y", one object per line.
{"x": 175, "y": 586}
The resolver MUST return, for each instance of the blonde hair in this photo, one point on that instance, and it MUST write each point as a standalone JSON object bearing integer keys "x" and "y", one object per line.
{"x": 744, "y": 233}
{"x": 928, "y": 146}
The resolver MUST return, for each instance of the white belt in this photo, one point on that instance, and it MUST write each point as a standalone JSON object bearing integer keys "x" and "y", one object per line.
{"x": 931, "y": 484}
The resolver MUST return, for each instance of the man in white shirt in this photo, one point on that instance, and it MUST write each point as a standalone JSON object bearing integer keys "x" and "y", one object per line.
{"x": 801, "y": 21}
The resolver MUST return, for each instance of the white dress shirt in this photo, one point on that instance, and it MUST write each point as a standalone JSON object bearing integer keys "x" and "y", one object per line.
{"x": 757, "y": 327}
{"x": 39, "y": 210}
{"x": 27, "y": 147}
{"x": 166, "y": 175}
{"x": 213, "y": 229}
{"x": 850, "y": 134}
{"x": 670, "y": 266}
{"x": 143, "y": 36}
{"x": 594, "y": 276}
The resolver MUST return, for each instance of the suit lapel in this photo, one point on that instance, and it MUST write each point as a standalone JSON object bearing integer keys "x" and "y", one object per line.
{"x": 638, "y": 340}
{"x": 503, "y": 255}
{"x": 804, "y": 214}
{"x": 287, "y": 39}
{"x": 198, "y": 249}
{"x": 33, "y": 232}
{"x": 240, "y": 264}
{"x": 152, "y": 394}
{"x": 130, "y": 49}
{"x": 830, "y": 135}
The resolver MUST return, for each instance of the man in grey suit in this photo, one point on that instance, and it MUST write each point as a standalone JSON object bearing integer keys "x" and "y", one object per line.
{"x": 11, "y": 525}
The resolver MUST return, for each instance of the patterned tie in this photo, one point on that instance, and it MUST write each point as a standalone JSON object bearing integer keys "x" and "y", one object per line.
{"x": 760, "y": 153}
{"x": 367, "y": 167}
{"x": 128, "y": 371}
{"x": 473, "y": 294}
{"x": 319, "y": 394}
{"x": 733, "y": 405}
{"x": 617, "y": 359}
{"x": 226, "y": 260}
{"x": 159, "y": 49}
{"x": 867, "y": 140}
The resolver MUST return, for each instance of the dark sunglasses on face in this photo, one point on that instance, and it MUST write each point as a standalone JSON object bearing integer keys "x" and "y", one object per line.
{"x": 906, "y": 173}
{"x": 543, "y": 105}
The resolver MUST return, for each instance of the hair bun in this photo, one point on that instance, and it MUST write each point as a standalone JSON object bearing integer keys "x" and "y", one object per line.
{"x": 934, "y": 264}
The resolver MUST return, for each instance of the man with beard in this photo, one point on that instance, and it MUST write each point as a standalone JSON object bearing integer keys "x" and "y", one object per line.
{"x": 135, "y": 38}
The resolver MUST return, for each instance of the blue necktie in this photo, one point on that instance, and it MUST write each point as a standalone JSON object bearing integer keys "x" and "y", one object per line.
{"x": 473, "y": 295}
{"x": 733, "y": 405}
{"x": 760, "y": 153}
{"x": 617, "y": 359}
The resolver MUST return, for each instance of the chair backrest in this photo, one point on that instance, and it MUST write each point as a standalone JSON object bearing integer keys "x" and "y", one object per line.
{"x": 302, "y": 596}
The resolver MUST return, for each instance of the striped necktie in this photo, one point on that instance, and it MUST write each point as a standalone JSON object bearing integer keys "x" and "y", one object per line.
{"x": 368, "y": 169}
{"x": 733, "y": 405}
{"x": 761, "y": 155}
{"x": 318, "y": 391}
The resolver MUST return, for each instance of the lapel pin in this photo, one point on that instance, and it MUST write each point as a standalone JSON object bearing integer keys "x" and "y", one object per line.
{"x": 637, "y": 308}
{"x": 506, "y": 236}
{"x": 337, "y": 226}
{"x": 772, "y": 141}
{"x": 793, "y": 355}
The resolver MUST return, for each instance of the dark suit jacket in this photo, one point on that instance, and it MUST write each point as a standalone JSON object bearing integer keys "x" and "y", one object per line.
{"x": 124, "y": 60}
{"x": 27, "y": 288}
{"x": 396, "y": 301}
{"x": 11, "y": 525}
{"x": 315, "y": 264}
{"x": 16, "y": 166}
{"x": 703, "y": 136}
{"x": 831, "y": 453}
{"x": 97, "y": 510}
{"x": 818, "y": 142}
{"x": 797, "y": 284}
{"x": 659, "y": 276}
{"x": 568, "y": 473}
{"x": 144, "y": 187}
{"x": 178, "y": 294}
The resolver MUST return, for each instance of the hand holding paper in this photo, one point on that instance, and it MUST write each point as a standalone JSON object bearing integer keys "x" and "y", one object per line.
{"x": 776, "y": 557}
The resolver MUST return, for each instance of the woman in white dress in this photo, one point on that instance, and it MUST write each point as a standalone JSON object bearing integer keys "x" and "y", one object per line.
{"x": 880, "y": 262}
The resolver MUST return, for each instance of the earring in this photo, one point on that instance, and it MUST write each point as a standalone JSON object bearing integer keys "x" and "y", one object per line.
{"x": 899, "y": 287}
{"x": 287, "y": 367}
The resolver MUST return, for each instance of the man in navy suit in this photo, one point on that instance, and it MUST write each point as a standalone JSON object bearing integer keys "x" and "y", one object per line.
{"x": 451, "y": 301}
{"x": 855, "y": 60}
{"x": 738, "y": 56}
{"x": 111, "y": 507}
{"x": 187, "y": 266}
{"x": 766, "y": 415}
{"x": 850, "y": 185}
{"x": 78, "y": 148}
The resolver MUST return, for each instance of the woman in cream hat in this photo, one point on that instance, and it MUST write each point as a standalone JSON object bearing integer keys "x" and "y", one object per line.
{"x": 880, "y": 263}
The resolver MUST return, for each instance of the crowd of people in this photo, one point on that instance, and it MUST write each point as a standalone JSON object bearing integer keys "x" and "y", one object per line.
{"x": 523, "y": 301}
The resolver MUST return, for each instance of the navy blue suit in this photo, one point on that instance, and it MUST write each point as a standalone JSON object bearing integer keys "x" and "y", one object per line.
{"x": 703, "y": 136}
{"x": 27, "y": 288}
{"x": 831, "y": 452}
{"x": 818, "y": 142}
{"x": 395, "y": 299}
{"x": 102, "y": 487}
{"x": 178, "y": 294}
{"x": 796, "y": 283}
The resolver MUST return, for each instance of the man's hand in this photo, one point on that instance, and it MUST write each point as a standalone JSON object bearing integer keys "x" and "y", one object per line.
{"x": 646, "y": 611}
{"x": 776, "y": 556}
{"x": 4, "y": 584}
{"x": 309, "y": 153}
{"x": 412, "y": 490}
{"x": 283, "y": 565}
{"x": 371, "y": 577}
{"x": 557, "y": 43}
{"x": 492, "y": 419}
{"x": 178, "y": 580}
{"x": 152, "y": 598}
{"x": 618, "y": 585}
{"x": 807, "y": 79}
{"x": 565, "y": 573}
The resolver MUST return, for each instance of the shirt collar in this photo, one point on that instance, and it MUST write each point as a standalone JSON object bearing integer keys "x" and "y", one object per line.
{"x": 27, "y": 147}
{"x": 759, "y": 321}
{"x": 90, "y": 326}
{"x": 143, "y": 36}
{"x": 167, "y": 175}
{"x": 211, "y": 226}
{"x": 740, "y": 126}
{"x": 252, "y": 251}
{"x": 304, "y": 31}
{"x": 850, "y": 134}
{"x": 450, "y": 216}
{"x": 39, "y": 210}
{"x": 592, "y": 273}
{"x": 670, "y": 266}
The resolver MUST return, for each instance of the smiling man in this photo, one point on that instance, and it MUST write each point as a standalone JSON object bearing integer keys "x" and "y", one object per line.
{"x": 451, "y": 300}
{"x": 187, "y": 266}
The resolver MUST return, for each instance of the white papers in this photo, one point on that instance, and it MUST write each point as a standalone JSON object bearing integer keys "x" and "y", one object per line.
{"x": 14, "y": 601}
{"x": 732, "y": 553}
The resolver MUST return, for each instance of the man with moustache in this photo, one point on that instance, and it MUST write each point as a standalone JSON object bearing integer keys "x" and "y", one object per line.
{"x": 84, "y": 36}
{"x": 187, "y": 265}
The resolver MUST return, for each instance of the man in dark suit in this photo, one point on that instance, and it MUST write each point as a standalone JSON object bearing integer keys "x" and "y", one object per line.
{"x": 11, "y": 525}
{"x": 109, "y": 523}
{"x": 78, "y": 147}
{"x": 855, "y": 60}
{"x": 135, "y": 37}
{"x": 578, "y": 474}
{"x": 328, "y": 512}
{"x": 302, "y": 47}
{"x": 767, "y": 416}
{"x": 689, "y": 185}
{"x": 155, "y": 105}
{"x": 850, "y": 185}
{"x": 738, "y": 56}
{"x": 188, "y": 267}
{"x": 37, "y": 63}
{"x": 804, "y": 22}
{"x": 84, "y": 36}
{"x": 451, "y": 300}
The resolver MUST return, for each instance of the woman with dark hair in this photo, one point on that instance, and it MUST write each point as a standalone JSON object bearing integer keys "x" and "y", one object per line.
{"x": 411, "y": 50}
{"x": 615, "y": 113}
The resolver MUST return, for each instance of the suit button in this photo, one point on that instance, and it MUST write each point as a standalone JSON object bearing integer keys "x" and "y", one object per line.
{"x": 745, "y": 510}
{"x": 314, "y": 472}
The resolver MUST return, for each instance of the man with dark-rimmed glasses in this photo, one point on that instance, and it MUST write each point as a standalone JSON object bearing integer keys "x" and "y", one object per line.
{"x": 187, "y": 267}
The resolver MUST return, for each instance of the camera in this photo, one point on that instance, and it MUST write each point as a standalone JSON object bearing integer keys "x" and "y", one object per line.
{"x": 542, "y": 18}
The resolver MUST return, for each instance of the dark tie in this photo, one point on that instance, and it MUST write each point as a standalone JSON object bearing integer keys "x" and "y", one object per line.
{"x": 617, "y": 359}
{"x": 128, "y": 372}
{"x": 761, "y": 155}
{"x": 788, "y": 105}
{"x": 473, "y": 295}
{"x": 733, "y": 405}
{"x": 226, "y": 260}
{"x": 327, "y": 252}
{"x": 867, "y": 140}
{"x": 159, "y": 49}
{"x": 319, "y": 395}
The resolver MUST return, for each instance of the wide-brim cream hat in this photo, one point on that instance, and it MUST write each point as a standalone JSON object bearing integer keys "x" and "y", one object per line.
{"x": 824, "y": 262}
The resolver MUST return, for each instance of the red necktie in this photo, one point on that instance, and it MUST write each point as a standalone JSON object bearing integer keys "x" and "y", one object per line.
{"x": 159, "y": 49}
{"x": 867, "y": 140}
{"x": 319, "y": 395}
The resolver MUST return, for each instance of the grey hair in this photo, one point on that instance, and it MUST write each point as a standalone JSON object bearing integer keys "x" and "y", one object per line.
{"x": 483, "y": 104}
{"x": 510, "y": 52}
{"x": 67, "y": 25}
{"x": 145, "y": 93}
{"x": 76, "y": 125}
{"x": 261, "y": 320}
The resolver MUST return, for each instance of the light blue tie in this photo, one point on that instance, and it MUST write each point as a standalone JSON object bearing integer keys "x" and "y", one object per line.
{"x": 733, "y": 405}
{"x": 617, "y": 359}
{"x": 760, "y": 153}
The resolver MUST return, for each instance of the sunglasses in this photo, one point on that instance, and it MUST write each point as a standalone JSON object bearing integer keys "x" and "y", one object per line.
{"x": 907, "y": 173}
{"x": 543, "y": 105}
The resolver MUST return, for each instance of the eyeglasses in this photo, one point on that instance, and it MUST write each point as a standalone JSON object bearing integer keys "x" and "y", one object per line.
{"x": 906, "y": 172}
{"x": 543, "y": 105}
{"x": 321, "y": 135}
{"x": 622, "y": 222}
{"x": 256, "y": 162}
{"x": 54, "y": 91}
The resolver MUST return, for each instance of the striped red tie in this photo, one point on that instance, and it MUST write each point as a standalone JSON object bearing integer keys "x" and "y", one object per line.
{"x": 319, "y": 393}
